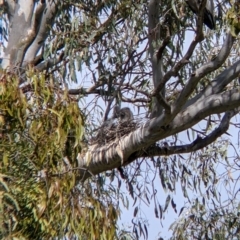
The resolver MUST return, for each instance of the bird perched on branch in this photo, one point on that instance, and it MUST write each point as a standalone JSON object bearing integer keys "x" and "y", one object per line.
{"x": 208, "y": 13}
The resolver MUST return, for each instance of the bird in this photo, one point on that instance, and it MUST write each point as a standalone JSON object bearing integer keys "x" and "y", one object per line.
{"x": 125, "y": 115}
{"x": 208, "y": 14}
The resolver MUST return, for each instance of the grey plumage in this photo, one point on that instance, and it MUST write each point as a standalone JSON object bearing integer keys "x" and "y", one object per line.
{"x": 208, "y": 14}
{"x": 125, "y": 115}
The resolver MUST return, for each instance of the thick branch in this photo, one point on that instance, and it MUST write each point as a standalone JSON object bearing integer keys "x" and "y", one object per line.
{"x": 46, "y": 24}
{"x": 199, "y": 143}
{"x": 118, "y": 152}
{"x": 36, "y": 21}
{"x": 11, "y": 4}
{"x": 20, "y": 34}
{"x": 218, "y": 84}
{"x": 154, "y": 38}
{"x": 201, "y": 72}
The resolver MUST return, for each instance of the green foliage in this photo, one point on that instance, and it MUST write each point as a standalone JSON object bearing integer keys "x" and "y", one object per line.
{"x": 233, "y": 18}
{"x": 42, "y": 128}
{"x": 40, "y": 194}
{"x": 92, "y": 33}
{"x": 203, "y": 223}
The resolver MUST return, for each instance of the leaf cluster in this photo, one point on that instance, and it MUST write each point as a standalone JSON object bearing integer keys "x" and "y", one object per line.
{"x": 41, "y": 196}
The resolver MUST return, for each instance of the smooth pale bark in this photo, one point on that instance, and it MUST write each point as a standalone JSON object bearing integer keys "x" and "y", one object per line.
{"x": 20, "y": 33}
{"x": 30, "y": 24}
{"x": 46, "y": 23}
{"x": 137, "y": 143}
{"x": 154, "y": 42}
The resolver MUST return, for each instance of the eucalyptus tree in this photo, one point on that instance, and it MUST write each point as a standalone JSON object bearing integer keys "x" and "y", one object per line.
{"x": 65, "y": 64}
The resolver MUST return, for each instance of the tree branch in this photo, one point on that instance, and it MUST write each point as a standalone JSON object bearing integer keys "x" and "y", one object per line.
{"x": 173, "y": 72}
{"x": 200, "y": 73}
{"x": 20, "y": 34}
{"x": 11, "y": 7}
{"x": 135, "y": 100}
{"x": 154, "y": 38}
{"x": 218, "y": 84}
{"x": 199, "y": 143}
{"x": 180, "y": 64}
{"x": 86, "y": 91}
{"x": 109, "y": 156}
{"x": 46, "y": 23}
{"x": 49, "y": 63}
{"x": 37, "y": 18}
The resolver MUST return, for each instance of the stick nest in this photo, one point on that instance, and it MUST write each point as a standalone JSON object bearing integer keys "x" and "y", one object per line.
{"x": 110, "y": 131}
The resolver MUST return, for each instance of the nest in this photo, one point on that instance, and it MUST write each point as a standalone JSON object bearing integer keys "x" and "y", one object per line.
{"x": 109, "y": 132}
